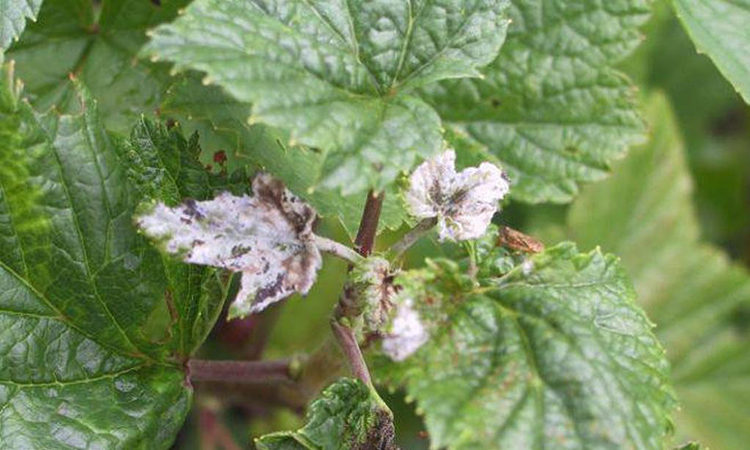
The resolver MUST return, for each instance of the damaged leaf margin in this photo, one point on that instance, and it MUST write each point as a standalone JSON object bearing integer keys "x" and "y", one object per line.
{"x": 463, "y": 202}
{"x": 267, "y": 237}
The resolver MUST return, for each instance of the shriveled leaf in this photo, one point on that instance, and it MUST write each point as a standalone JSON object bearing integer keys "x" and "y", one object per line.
{"x": 96, "y": 42}
{"x": 463, "y": 202}
{"x": 553, "y": 354}
{"x": 551, "y": 109}
{"x": 13, "y": 15}
{"x": 690, "y": 289}
{"x": 347, "y": 416}
{"x": 163, "y": 166}
{"x": 87, "y": 356}
{"x": 221, "y": 122}
{"x": 719, "y": 28}
{"x": 339, "y": 77}
{"x": 267, "y": 236}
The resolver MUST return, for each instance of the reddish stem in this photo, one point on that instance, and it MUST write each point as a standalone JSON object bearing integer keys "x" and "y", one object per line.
{"x": 368, "y": 225}
{"x": 240, "y": 371}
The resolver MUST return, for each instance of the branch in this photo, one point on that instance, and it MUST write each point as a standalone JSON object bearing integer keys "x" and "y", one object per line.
{"x": 368, "y": 224}
{"x": 348, "y": 342}
{"x": 413, "y": 236}
{"x": 240, "y": 371}
{"x": 337, "y": 249}
{"x": 364, "y": 243}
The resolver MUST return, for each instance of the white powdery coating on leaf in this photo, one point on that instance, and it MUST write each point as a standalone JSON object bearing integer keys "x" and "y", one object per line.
{"x": 268, "y": 237}
{"x": 407, "y": 333}
{"x": 463, "y": 202}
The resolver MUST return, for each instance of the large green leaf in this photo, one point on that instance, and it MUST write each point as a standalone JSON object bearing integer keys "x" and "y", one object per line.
{"x": 221, "y": 122}
{"x": 347, "y": 415}
{"x": 720, "y": 29}
{"x": 164, "y": 166}
{"x": 97, "y": 42}
{"x": 551, "y": 109}
{"x": 552, "y": 354}
{"x": 691, "y": 290}
{"x": 87, "y": 353}
{"x": 13, "y": 15}
{"x": 339, "y": 76}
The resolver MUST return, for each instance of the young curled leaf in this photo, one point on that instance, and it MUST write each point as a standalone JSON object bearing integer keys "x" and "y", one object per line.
{"x": 463, "y": 202}
{"x": 371, "y": 282}
{"x": 267, "y": 236}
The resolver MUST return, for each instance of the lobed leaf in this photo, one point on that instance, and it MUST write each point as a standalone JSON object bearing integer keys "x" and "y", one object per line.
{"x": 163, "y": 166}
{"x": 13, "y": 15}
{"x": 553, "y": 354}
{"x": 96, "y": 42}
{"x": 551, "y": 109}
{"x": 87, "y": 353}
{"x": 690, "y": 289}
{"x": 719, "y": 28}
{"x": 339, "y": 77}
{"x": 221, "y": 122}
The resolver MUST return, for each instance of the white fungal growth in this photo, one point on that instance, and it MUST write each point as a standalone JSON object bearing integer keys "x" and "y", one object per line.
{"x": 527, "y": 266}
{"x": 463, "y": 202}
{"x": 267, "y": 236}
{"x": 407, "y": 333}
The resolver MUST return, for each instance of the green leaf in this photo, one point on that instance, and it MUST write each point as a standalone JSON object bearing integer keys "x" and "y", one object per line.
{"x": 690, "y": 289}
{"x": 553, "y": 354}
{"x": 339, "y": 77}
{"x": 96, "y": 42}
{"x": 13, "y": 15}
{"x": 347, "y": 415}
{"x": 719, "y": 28}
{"x": 551, "y": 109}
{"x": 221, "y": 122}
{"x": 164, "y": 166}
{"x": 82, "y": 360}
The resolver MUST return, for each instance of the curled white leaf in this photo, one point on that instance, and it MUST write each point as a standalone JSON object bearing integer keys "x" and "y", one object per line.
{"x": 463, "y": 202}
{"x": 267, "y": 236}
{"x": 407, "y": 332}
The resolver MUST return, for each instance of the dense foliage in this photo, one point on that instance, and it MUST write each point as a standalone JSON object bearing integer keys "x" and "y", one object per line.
{"x": 191, "y": 192}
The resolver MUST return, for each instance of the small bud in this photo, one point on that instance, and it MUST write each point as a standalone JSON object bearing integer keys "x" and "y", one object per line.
{"x": 267, "y": 236}
{"x": 463, "y": 202}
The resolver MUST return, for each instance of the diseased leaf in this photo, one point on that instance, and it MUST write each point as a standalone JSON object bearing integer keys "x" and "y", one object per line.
{"x": 720, "y": 29}
{"x": 97, "y": 42}
{"x": 82, "y": 346}
{"x": 13, "y": 15}
{"x": 551, "y": 109}
{"x": 221, "y": 122}
{"x": 552, "y": 354}
{"x": 163, "y": 166}
{"x": 347, "y": 416}
{"x": 690, "y": 289}
{"x": 267, "y": 236}
{"x": 463, "y": 202}
{"x": 339, "y": 77}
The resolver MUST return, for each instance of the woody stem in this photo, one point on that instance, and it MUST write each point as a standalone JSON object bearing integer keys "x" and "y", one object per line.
{"x": 341, "y": 323}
